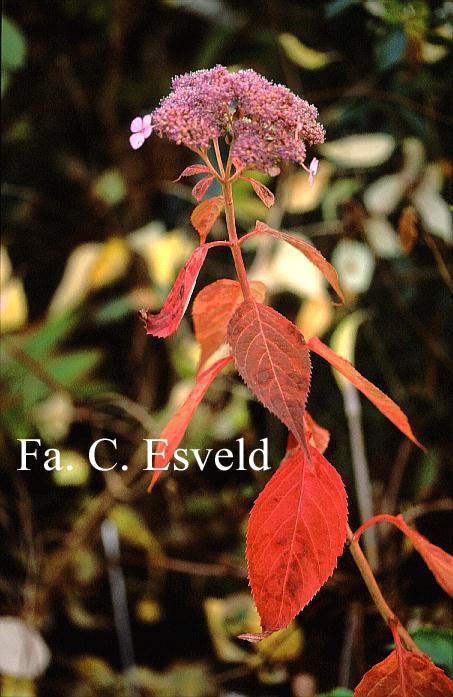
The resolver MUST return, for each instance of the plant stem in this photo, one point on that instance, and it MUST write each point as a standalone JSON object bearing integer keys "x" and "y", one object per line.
{"x": 232, "y": 234}
{"x": 372, "y": 521}
{"x": 385, "y": 611}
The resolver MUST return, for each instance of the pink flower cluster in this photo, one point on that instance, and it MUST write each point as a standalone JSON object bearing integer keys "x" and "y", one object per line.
{"x": 266, "y": 123}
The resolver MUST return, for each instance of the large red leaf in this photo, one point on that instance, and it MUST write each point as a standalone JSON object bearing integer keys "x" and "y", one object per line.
{"x": 201, "y": 187}
{"x": 421, "y": 678}
{"x": 212, "y": 310}
{"x": 296, "y": 531}
{"x": 205, "y": 214}
{"x": 272, "y": 357}
{"x": 177, "y": 426}
{"x": 167, "y": 320}
{"x": 266, "y": 196}
{"x": 436, "y": 559}
{"x": 307, "y": 249}
{"x": 380, "y": 400}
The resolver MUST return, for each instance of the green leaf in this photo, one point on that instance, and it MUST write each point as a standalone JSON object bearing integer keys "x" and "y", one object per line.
{"x": 72, "y": 366}
{"x": 49, "y": 335}
{"x": 390, "y": 49}
{"x": 438, "y": 644}
{"x": 337, "y": 7}
{"x": 13, "y": 45}
{"x": 115, "y": 310}
{"x": 337, "y": 692}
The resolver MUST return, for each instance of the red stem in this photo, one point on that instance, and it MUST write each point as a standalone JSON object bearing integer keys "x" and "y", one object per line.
{"x": 376, "y": 519}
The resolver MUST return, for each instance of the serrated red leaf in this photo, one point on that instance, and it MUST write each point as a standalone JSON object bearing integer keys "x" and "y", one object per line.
{"x": 177, "y": 426}
{"x": 167, "y": 320}
{"x": 380, "y": 400}
{"x": 296, "y": 531}
{"x": 436, "y": 559}
{"x": 310, "y": 252}
{"x": 317, "y": 436}
{"x": 272, "y": 357}
{"x": 266, "y": 196}
{"x": 421, "y": 677}
{"x": 202, "y": 187}
{"x": 205, "y": 214}
{"x": 193, "y": 169}
{"x": 212, "y": 310}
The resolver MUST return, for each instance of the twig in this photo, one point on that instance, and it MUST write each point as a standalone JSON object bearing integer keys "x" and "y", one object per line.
{"x": 384, "y": 609}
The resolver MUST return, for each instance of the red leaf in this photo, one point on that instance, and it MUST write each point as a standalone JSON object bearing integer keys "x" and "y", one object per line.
{"x": 317, "y": 436}
{"x": 168, "y": 319}
{"x": 177, "y": 426}
{"x": 380, "y": 400}
{"x": 193, "y": 169}
{"x": 212, "y": 310}
{"x": 296, "y": 531}
{"x": 307, "y": 249}
{"x": 205, "y": 214}
{"x": 421, "y": 677}
{"x": 436, "y": 559}
{"x": 261, "y": 191}
{"x": 201, "y": 187}
{"x": 272, "y": 357}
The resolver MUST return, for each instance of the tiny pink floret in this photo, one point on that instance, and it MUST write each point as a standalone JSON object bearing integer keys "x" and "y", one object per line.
{"x": 141, "y": 130}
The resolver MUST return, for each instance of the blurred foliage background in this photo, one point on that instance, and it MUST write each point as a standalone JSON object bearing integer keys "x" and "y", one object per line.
{"x": 150, "y": 601}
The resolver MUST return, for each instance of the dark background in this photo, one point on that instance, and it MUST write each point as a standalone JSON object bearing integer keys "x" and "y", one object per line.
{"x": 77, "y": 72}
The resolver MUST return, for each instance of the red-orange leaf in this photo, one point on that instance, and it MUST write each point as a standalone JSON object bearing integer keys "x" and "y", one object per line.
{"x": 380, "y": 400}
{"x": 307, "y": 250}
{"x": 193, "y": 169}
{"x": 436, "y": 559}
{"x": 272, "y": 357}
{"x": 261, "y": 191}
{"x": 205, "y": 214}
{"x": 202, "y": 187}
{"x": 168, "y": 319}
{"x": 177, "y": 426}
{"x": 212, "y": 310}
{"x": 317, "y": 436}
{"x": 296, "y": 532}
{"x": 421, "y": 678}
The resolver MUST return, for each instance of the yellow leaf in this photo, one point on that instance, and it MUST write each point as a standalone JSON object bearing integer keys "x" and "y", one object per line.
{"x": 5, "y": 266}
{"x": 75, "y": 472}
{"x": 148, "y": 611}
{"x": 360, "y": 150}
{"x": 315, "y": 316}
{"x": 163, "y": 252}
{"x": 75, "y": 284}
{"x": 304, "y": 56}
{"x": 133, "y": 529}
{"x": 344, "y": 338}
{"x": 284, "y": 645}
{"x": 432, "y": 53}
{"x": 53, "y": 416}
{"x": 13, "y": 306}
{"x": 111, "y": 263}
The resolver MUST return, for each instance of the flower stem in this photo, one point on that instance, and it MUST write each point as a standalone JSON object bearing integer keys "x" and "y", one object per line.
{"x": 232, "y": 234}
{"x": 384, "y": 609}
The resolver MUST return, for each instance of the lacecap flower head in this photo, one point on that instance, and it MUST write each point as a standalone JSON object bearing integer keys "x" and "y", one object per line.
{"x": 265, "y": 123}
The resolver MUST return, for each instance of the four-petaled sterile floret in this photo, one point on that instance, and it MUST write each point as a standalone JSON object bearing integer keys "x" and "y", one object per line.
{"x": 264, "y": 122}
